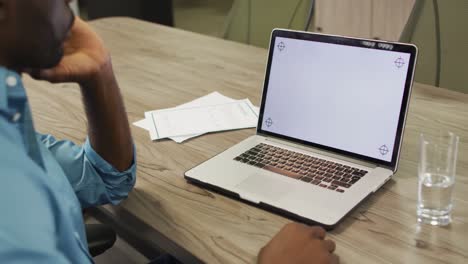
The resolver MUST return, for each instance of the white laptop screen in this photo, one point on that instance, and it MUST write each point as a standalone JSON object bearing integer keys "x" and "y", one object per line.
{"x": 343, "y": 97}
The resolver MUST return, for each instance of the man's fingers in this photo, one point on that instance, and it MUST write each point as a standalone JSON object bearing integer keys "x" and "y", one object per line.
{"x": 329, "y": 245}
{"x": 334, "y": 259}
{"x": 318, "y": 232}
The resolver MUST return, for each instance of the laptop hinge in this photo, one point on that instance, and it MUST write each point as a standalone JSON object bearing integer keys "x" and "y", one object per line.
{"x": 322, "y": 152}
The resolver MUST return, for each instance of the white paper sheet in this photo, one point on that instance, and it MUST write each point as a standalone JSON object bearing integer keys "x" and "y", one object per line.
{"x": 210, "y": 99}
{"x": 202, "y": 119}
{"x": 144, "y": 123}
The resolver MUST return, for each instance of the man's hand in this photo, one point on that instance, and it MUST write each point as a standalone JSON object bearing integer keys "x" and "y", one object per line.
{"x": 297, "y": 244}
{"x": 84, "y": 60}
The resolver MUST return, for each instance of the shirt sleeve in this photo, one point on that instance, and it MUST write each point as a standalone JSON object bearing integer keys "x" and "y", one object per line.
{"x": 94, "y": 180}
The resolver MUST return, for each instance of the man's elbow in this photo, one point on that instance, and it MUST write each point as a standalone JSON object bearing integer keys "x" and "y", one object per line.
{"x": 119, "y": 192}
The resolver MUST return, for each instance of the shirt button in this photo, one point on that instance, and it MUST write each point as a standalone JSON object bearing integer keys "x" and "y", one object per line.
{"x": 16, "y": 117}
{"x": 11, "y": 81}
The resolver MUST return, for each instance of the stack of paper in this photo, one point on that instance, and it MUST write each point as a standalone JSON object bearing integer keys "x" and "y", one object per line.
{"x": 212, "y": 113}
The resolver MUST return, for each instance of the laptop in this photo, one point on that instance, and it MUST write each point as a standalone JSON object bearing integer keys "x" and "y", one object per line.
{"x": 330, "y": 128}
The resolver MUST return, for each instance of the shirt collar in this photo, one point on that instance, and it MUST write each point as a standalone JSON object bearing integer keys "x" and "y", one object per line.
{"x": 10, "y": 86}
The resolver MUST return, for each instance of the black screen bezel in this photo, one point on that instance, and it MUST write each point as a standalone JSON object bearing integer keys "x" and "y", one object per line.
{"x": 347, "y": 41}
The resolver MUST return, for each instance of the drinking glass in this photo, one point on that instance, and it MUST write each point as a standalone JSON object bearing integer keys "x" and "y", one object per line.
{"x": 437, "y": 169}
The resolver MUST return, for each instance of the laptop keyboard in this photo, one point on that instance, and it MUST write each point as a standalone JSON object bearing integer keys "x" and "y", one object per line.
{"x": 326, "y": 174}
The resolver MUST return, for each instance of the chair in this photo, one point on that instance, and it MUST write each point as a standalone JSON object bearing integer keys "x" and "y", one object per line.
{"x": 251, "y": 21}
{"x": 442, "y": 61}
{"x": 100, "y": 238}
{"x": 158, "y": 11}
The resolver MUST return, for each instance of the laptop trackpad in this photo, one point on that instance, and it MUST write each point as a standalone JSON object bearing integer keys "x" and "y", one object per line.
{"x": 260, "y": 187}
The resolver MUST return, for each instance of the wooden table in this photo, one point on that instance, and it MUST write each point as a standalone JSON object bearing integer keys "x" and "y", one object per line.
{"x": 160, "y": 67}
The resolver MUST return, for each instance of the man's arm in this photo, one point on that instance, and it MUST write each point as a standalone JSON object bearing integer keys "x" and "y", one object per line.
{"x": 108, "y": 128}
{"x": 103, "y": 169}
{"x": 88, "y": 63}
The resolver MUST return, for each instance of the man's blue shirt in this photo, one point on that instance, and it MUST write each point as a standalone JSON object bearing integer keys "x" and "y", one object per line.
{"x": 44, "y": 185}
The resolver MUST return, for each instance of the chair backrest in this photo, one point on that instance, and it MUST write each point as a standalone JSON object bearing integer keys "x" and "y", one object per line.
{"x": 158, "y": 11}
{"x": 251, "y": 21}
{"x": 421, "y": 30}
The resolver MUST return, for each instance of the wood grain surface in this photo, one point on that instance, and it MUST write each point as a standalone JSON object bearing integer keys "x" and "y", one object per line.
{"x": 159, "y": 67}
